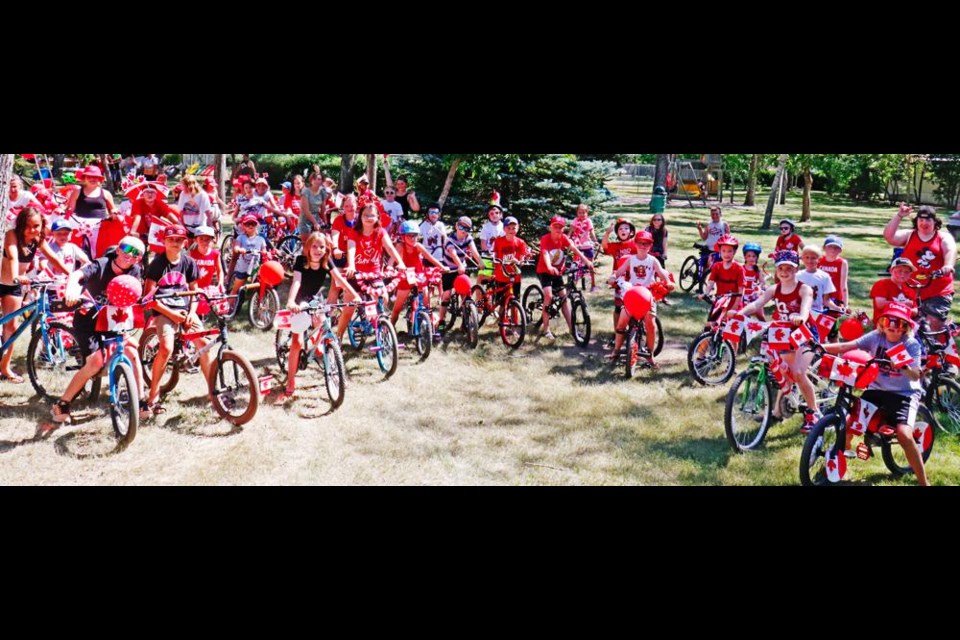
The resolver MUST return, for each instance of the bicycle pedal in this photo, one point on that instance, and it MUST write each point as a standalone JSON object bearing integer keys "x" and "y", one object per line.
{"x": 190, "y": 369}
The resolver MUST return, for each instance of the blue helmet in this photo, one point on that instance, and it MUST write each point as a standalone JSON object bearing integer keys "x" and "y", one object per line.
{"x": 752, "y": 246}
{"x": 408, "y": 227}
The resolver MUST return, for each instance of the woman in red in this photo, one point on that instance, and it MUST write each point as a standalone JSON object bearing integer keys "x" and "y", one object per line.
{"x": 94, "y": 208}
{"x": 550, "y": 269}
{"x": 788, "y": 240}
{"x": 413, "y": 254}
{"x": 934, "y": 252}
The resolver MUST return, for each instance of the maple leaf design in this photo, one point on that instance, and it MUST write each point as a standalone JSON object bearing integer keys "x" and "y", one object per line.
{"x": 120, "y": 315}
{"x": 755, "y": 326}
{"x": 844, "y": 369}
{"x": 832, "y": 465}
{"x": 779, "y": 334}
{"x": 735, "y": 327}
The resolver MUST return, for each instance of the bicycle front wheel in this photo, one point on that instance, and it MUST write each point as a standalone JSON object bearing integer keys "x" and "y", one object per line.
{"x": 471, "y": 323}
{"x": 424, "y": 334}
{"x": 688, "y": 273}
{"x": 749, "y": 411}
{"x": 513, "y": 324}
{"x": 580, "y": 321}
{"x": 709, "y": 360}
{"x": 125, "y": 404}
{"x": 264, "y": 310}
{"x": 813, "y": 459}
{"x": 234, "y": 389}
{"x": 387, "y": 356}
{"x": 334, "y": 373}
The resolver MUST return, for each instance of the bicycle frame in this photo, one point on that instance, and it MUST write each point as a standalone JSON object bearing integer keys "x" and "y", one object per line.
{"x": 42, "y": 307}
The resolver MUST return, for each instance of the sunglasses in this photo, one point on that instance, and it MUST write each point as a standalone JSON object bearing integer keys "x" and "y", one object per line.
{"x": 130, "y": 250}
{"x": 389, "y": 193}
{"x": 784, "y": 228}
{"x": 250, "y": 224}
{"x": 463, "y": 228}
{"x": 887, "y": 322}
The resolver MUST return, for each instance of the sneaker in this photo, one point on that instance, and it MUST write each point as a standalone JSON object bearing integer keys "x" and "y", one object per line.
{"x": 810, "y": 418}
{"x": 850, "y": 454}
{"x": 60, "y": 412}
{"x": 548, "y": 335}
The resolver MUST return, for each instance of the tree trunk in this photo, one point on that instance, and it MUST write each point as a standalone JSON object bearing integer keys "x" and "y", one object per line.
{"x": 807, "y": 186}
{"x": 6, "y": 171}
{"x": 774, "y": 190}
{"x": 220, "y": 173}
{"x": 372, "y": 170}
{"x": 448, "y": 182}
{"x": 748, "y": 201}
{"x": 57, "y": 169}
{"x": 919, "y": 184}
{"x": 784, "y": 185}
{"x": 346, "y": 176}
{"x": 108, "y": 181}
{"x": 660, "y": 173}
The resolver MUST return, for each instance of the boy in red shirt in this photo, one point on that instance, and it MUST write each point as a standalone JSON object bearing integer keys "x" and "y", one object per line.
{"x": 550, "y": 269}
{"x": 726, "y": 276}
{"x": 836, "y": 267}
{"x": 894, "y": 288}
{"x": 510, "y": 248}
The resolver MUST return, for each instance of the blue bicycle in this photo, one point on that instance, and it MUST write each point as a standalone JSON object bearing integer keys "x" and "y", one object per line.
{"x": 374, "y": 321}
{"x": 124, "y": 393}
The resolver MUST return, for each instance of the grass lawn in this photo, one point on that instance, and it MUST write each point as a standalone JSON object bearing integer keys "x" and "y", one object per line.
{"x": 546, "y": 414}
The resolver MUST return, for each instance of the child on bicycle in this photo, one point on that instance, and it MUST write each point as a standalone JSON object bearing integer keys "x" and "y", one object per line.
{"x": 309, "y": 274}
{"x": 620, "y": 250}
{"x": 510, "y": 248}
{"x": 459, "y": 246}
{"x": 71, "y": 255}
{"x": 207, "y": 259}
{"x": 726, "y": 275}
{"x": 640, "y": 269}
{"x": 585, "y": 238}
{"x": 897, "y": 390}
{"x": 836, "y": 267}
{"x": 94, "y": 278}
{"x": 172, "y": 272}
{"x": 895, "y": 289}
{"x": 491, "y": 230}
{"x": 549, "y": 269}
{"x": 412, "y": 253}
{"x": 246, "y": 251}
{"x": 793, "y": 300}
{"x": 714, "y": 230}
{"x": 754, "y": 280}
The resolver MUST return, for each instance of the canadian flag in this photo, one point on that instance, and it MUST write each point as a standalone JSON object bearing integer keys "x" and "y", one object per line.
{"x": 120, "y": 318}
{"x": 754, "y": 328}
{"x": 826, "y": 365}
{"x": 923, "y": 435}
{"x": 899, "y": 356}
{"x": 282, "y": 319}
{"x": 844, "y": 371}
{"x": 778, "y": 368}
{"x": 865, "y": 414}
{"x": 155, "y": 239}
{"x": 835, "y": 465}
{"x": 823, "y": 322}
{"x": 733, "y": 329}
{"x": 800, "y": 336}
{"x": 778, "y": 338}
{"x": 950, "y": 352}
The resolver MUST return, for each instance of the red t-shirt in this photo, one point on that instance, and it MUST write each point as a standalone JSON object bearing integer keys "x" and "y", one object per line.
{"x": 789, "y": 243}
{"x": 207, "y": 265}
{"x": 369, "y": 256}
{"x": 411, "y": 258}
{"x": 147, "y": 213}
{"x": 504, "y": 247}
{"x": 620, "y": 252}
{"x": 727, "y": 280}
{"x": 551, "y": 251}
{"x": 291, "y": 202}
{"x": 833, "y": 269}
{"x": 888, "y": 289}
{"x": 340, "y": 226}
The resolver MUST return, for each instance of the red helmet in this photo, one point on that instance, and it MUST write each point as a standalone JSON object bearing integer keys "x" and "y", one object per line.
{"x": 727, "y": 240}
{"x": 643, "y": 236}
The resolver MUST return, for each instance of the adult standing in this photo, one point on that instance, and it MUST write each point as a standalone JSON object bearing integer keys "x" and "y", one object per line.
{"x": 407, "y": 199}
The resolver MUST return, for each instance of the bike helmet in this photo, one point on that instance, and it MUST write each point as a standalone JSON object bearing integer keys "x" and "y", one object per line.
{"x": 752, "y": 246}
{"x": 620, "y": 221}
{"x": 727, "y": 240}
{"x": 408, "y": 227}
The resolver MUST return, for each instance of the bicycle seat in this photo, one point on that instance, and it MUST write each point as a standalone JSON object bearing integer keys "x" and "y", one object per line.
{"x": 700, "y": 244}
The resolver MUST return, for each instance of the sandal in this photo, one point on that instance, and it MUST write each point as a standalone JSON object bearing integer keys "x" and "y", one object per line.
{"x": 284, "y": 397}
{"x": 13, "y": 378}
{"x": 157, "y": 409}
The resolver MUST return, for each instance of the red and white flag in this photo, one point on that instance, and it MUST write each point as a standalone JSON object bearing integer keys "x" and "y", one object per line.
{"x": 835, "y": 465}
{"x": 800, "y": 336}
{"x": 754, "y": 328}
{"x": 923, "y": 435}
{"x": 733, "y": 329}
{"x": 865, "y": 414}
{"x": 844, "y": 371}
{"x": 950, "y": 352}
{"x": 823, "y": 322}
{"x": 778, "y": 338}
{"x": 155, "y": 239}
{"x": 899, "y": 356}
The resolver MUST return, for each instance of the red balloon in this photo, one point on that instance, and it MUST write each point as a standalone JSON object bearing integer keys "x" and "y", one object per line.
{"x": 124, "y": 291}
{"x": 637, "y": 301}
{"x": 851, "y": 329}
{"x": 271, "y": 273}
{"x": 462, "y": 284}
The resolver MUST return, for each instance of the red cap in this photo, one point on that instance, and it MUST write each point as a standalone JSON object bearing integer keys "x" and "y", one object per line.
{"x": 643, "y": 236}
{"x": 559, "y": 220}
{"x": 174, "y": 231}
{"x": 897, "y": 310}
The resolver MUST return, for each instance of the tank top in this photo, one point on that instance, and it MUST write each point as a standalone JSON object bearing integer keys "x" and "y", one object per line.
{"x": 787, "y": 303}
{"x": 833, "y": 269}
{"x": 91, "y": 208}
{"x": 714, "y": 233}
{"x": 411, "y": 257}
{"x": 928, "y": 256}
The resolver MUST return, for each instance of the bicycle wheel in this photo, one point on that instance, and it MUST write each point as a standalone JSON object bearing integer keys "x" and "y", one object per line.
{"x": 479, "y": 295}
{"x": 387, "y": 354}
{"x": 356, "y": 334}
{"x": 944, "y": 404}
{"x": 688, "y": 273}
{"x": 471, "y": 323}
{"x": 710, "y": 361}
{"x": 513, "y": 326}
{"x": 748, "y": 411}
{"x": 658, "y": 344}
{"x": 226, "y": 253}
{"x": 813, "y": 458}
{"x": 580, "y": 321}
{"x": 424, "y": 334}
{"x": 125, "y": 404}
{"x": 51, "y": 364}
{"x": 533, "y": 305}
{"x": 147, "y": 350}
{"x": 631, "y": 347}
{"x": 288, "y": 249}
{"x": 924, "y": 431}
{"x": 334, "y": 372}
{"x": 234, "y": 388}
{"x": 264, "y": 310}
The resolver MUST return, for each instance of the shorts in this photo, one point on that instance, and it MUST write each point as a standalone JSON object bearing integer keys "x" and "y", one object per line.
{"x": 547, "y": 280}
{"x": 305, "y": 228}
{"x": 448, "y": 279}
{"x": 240, "y": 275}
{"x": 895, "y": 406}
{"x": 87, "y": 337}
{"x": 937, "y": 306}
{"x": 587, "y": 251}
{"x": 165, "y": 326}
{"x": 11, "y": 290}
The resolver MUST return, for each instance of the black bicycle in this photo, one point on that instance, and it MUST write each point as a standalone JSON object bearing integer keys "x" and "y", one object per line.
{"x": 579, "y": 323}
{"x": 694, "y": 270}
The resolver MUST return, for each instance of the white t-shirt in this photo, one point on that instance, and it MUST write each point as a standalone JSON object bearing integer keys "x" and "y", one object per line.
{"x": 432, "y": 238}
{"x": 16, "y": 206}
{"x": 194, "y": 208}
{"x": 69, "y": 253}
{"x": 394, "y": 209}
{"x": 820, "y": 282}
{"x": 715, "y": 231}
{"x": 489, "y": 232}
{"x": 642, "y": 271}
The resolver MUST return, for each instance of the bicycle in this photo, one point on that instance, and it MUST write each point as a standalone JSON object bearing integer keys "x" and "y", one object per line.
{"x": 711, "y": 358}
{"x": 635, "y": 341}
{"x": 263, "y": 306}
{"x": 232, "y": 383}
{"x": 374, "y": 321}
{"x": 748, "y": 412}
{"x": 694, "y": 269}
{"x": 320, "y": 344}
{"x": 462, "y": 307}
{"x": 419, "y": 317}
{"x": 497, "y": 299}
{"x": 579, "y": 323}
{"x": 941, "y": 391}
{"x": 822, "y": 460}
